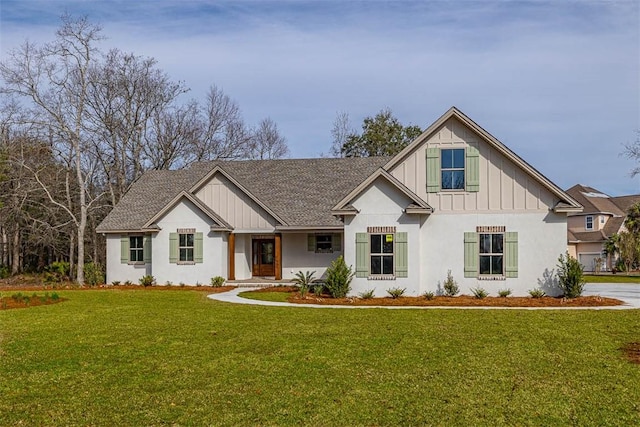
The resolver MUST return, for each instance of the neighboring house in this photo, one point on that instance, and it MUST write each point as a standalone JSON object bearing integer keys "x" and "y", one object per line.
{"x": 588, "y": 230}
{"x": 455, "y": 199}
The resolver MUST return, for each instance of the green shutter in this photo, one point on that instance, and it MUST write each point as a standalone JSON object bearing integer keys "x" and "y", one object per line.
{"x": 472, "y": 172}
{"x": 124, "y": 249}
{"x": 362, "y": 255}
{"x": 433, "y": 170}
{"x": 511, "y": 254}
{"x": 311, "y": 242}
{"x": 147, "y": 249}
{"x": 336, "y": 242}
{"x": 197, "y": 250}
{"x": 471, "y": 254}
{"x": 402, "y": 262}
{"x": 173, "y": 248}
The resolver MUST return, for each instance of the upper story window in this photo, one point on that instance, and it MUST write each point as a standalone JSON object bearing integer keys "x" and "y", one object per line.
{"x": 602, "y": 220}
{"x": 452, "y": 169}
{"x": 588, "y": 222}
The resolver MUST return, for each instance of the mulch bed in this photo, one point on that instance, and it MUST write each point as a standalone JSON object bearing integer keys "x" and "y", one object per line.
{"x": 7, "y": 302}
{"x": 441, "y": 301}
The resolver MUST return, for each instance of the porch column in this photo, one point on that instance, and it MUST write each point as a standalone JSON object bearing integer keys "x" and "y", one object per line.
{"x": 278, "y": 257}
{"x": 232, "y": 256}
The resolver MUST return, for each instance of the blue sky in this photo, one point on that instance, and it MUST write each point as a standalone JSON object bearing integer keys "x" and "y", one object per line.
{"x": 558, "y": 82}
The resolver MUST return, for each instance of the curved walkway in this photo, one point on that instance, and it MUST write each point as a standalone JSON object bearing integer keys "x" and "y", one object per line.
{"x": 628, "y": 293}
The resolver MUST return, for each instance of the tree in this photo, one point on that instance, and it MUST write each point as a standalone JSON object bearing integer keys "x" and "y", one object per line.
{"x": 632, "y": 151}
{"x": 340, "y": 132}
{"x": 267, "y": 143}
{"x": 382, "y": 135}
{"x": 632, "y": 221}
{"x": 53, "y": 82}
{"x": 610, "y": 249}
{"x": 628, "y": 246}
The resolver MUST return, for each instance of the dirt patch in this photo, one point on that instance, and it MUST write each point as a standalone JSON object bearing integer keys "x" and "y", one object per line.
{"x": 632, "y": 352}
{"x": 20, "y": 300}
{"x": 460, "y": 301}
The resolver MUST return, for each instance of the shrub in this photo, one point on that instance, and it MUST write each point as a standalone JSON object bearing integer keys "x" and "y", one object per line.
{"x": 4, "y": 271}
{"x": 303, "y": 280}
{"x": 339, "y": 277}
{"x": 116, "y": 283}
{"x": 128, "y": 283}
{"x": 537, "y": 293}
{"x": 216, "y": 282}
{"x": 147, "y": 280}
{"x": 570, "y": 276}
{"x": 168, "y": 283}
{"x": 503, "y": 293}
{"x": 396, "y": 292}
{"x": 57, "y": 272}
{"x": 429, "y": 295}
{"x": 93, "y": 274}
{"x": 450, "y": 286}
{"x": 318, "y": 288}
{"x": 367, "y": 294}
{"x": 479, "y": 293}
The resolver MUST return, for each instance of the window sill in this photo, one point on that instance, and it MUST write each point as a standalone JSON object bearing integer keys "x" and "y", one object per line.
{"x": 501, "y": 277}
{"x": 324, "y": 251}
{"x": 137, "y": 263}
{"x": 382, "y": 277}
{"x": 186, "y": 263}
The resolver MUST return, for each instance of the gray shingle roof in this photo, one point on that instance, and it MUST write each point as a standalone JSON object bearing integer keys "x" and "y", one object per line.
{"x": 300, "y": 191}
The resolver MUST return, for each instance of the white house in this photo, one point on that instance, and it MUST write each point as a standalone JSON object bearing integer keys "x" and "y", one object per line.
{"x": 455, "y": 199}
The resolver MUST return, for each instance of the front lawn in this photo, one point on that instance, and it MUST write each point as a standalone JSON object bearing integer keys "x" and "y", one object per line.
{"x": 117, "y": 357}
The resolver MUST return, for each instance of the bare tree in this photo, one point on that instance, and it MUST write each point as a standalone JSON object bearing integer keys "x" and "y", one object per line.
{"x": 53, "y": 82}
{"x": 267, "y": 143}
{"x": 340, "y": 133}
{"x": 632, "y": 151}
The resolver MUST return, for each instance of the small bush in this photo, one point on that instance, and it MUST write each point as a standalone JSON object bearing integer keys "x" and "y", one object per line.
{"x": 570, "y": 276}
{"x": 217, "y": 281}
{"x": 318, "y": 288}
{"x": 55, "y": 296}
{"x": 128, "y": 283}
{"x": 57, "y": 272}
{"x": 116, "y": 283}
{"x": 396, "y": 293}
{"x": 367, "y": 294}
{"x": 168, "y": 283}
{"x": 339, "y": 277}
{"x": 429, "y": 295}
{"x": 451, "y": 288}
{"x": 182, "y": 285}
{"x": 147, "y": 280}
{"x": 503, "y": 293}
{"x": 479, "y": 293}
{"x": 4, "y": 271}
{"x": 198, "y": 284}
{"x": 537, "y": 293}
{"x": 303, "y": 280}
{"x": 93, "y": 274}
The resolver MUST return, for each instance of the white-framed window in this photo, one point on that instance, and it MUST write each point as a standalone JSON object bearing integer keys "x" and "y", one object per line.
{"x": 452, "y": 168}
{"x": 491, "y": 254}
{"x": 186, "y": 246}
{"x": 136, "y": 249}
{"x": 588, "y": 224}
{"x": 381, "y": 254}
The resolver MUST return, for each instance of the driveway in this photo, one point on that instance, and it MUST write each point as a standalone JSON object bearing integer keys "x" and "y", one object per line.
{"x": 627, "y": 292}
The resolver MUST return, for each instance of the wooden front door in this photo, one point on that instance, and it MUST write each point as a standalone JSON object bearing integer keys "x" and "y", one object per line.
{"x": 264, "y": 251}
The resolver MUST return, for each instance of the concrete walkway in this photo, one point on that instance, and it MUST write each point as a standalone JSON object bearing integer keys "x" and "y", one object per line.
{"x": 629, "y": 293}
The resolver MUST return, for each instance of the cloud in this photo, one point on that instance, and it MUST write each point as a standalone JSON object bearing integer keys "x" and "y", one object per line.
{"x": 557, "y": 81}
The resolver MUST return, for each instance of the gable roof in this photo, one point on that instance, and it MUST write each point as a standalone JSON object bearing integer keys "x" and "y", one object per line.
{"x": 417, "y": 205}
{"x": 299, "y": 193}
{"x": 594, "y": 201}
{"x": 566, "y": 204}
{"x": 220, "y": 224}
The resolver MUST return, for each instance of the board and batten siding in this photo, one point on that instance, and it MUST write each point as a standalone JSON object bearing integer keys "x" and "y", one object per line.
{"x": 228, "y": 201}
{"x": 504, "y": 186}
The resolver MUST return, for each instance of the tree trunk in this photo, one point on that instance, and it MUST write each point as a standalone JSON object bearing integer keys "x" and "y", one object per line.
{"x": 72, "y": 248}
{"x": 15, "y": 250}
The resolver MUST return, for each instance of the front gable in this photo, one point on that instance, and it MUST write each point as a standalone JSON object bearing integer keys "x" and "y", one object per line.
{"x": 495, "y": 178}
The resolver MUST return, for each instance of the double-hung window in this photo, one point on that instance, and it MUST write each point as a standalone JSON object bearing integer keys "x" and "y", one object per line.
{"x": 452, "y": 169}
{"x": 136, "y": 249}
{"x": 588, "y": 222}
{"x": 381, "y": 253}
{"x": 491, "y": 254}
{"x": 186, "y": 247}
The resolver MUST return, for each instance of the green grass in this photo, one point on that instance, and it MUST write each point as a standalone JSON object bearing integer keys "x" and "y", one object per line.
{"x": 266, "y": 296}
{"x": 148, "y": 357}
{"x": 611, "y": 278}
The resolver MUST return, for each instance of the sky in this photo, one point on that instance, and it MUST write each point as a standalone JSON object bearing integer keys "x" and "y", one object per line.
{"x": 558, "y": 82}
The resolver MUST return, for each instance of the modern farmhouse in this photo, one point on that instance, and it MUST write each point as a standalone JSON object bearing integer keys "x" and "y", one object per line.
{"x": 454, "y": 199}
